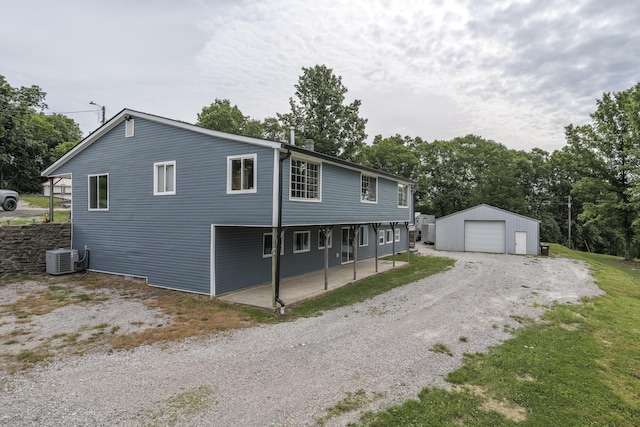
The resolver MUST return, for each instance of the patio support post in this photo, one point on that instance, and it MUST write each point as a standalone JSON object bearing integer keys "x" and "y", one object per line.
{"x": 326, "y": 231}
{"x": 406, "y": 226}
{"x": 393, "y": 242}
{"x": 51, "y": 199}
{"x": 376, "y": 227}
{"x": 355, "y": 230}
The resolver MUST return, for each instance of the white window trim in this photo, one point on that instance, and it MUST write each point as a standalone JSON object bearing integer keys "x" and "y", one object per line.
{"x": 380, "y": 237}
{"x": 254, "y": 157}
{"x": 89, "y": 192}
{"x": 364, "y": 235}
{"x": 376, "y": 195}
{"x": 295, "y": 241}
{"x": 305, "y": 199}
{"x": 397, "y": 235}
{"x": 269, "y": 255}
{"x": 406, "y": 193}
{"x": 389, "y": 232}
{"x": 329, "y": 239}
{"x": 155, "y": 179}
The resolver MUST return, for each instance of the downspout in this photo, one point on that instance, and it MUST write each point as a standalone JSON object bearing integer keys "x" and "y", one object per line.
{"x": 279, "y": 236}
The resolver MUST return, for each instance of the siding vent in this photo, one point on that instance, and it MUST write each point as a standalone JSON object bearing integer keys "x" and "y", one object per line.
{"x": 128, "y": 127}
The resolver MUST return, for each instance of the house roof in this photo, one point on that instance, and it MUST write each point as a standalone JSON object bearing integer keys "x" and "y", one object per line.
{"x": 126, "y": 113}
{"x": 487, "y": 206}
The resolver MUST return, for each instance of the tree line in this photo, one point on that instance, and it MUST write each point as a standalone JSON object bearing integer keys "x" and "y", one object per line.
{"x": 586, "y": 195}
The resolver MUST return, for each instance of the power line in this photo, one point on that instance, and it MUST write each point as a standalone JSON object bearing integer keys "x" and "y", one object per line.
{"x": 73, "y": 112}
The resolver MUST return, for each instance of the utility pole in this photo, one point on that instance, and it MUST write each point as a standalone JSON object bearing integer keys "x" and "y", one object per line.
{"x": 101, "y": 108}
{"x": 569, "y": 228}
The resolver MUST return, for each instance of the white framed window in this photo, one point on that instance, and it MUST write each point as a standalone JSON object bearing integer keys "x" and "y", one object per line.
{"x": 164, "y": 178}
{"x": 241, "y": 174}
{"x": 363, "y": 239}
{"x": 389, "y": 235}
{"x": 267, "y": 245}
{"x": 368, "y": 189}
{"x": 397, "y": 235}
{"x": 403, "y": 196}
{"x": 305, "y": 180}
{"x": 381, "y": 237}
{"x": 321, "y": 243}
{"x": 128, "y": 128}
{"x": 99, "y": 192}
{"x": 301, "y": 241}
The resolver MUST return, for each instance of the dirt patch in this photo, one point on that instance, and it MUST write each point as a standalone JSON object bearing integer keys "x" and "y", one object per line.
{"x": 509, "y": 410}
{"x": 49, "y": 318}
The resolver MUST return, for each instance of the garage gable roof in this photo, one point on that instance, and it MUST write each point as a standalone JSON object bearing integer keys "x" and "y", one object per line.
{"x": 485, "y": 206}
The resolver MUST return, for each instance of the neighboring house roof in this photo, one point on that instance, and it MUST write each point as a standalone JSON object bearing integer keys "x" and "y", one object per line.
{"x": 484, "y": 205}
{"x": 126, "y": 113}
{"x": 61, "y": 182}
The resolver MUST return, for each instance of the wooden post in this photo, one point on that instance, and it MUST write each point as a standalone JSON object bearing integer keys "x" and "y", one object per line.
{"x": 393, "y": 242}
{"x": 406, "y": 225}
{"x": 326, "y": 232}
{"x": 355, "y": 229}
{"x": 376, "y": 227}
{"x": 51, "y": 185}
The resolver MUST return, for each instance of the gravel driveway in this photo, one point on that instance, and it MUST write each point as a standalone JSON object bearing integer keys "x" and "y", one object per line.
{"x": 290, "y": 374}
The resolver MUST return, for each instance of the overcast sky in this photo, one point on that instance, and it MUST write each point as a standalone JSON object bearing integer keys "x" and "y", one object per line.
{"x": 516, "y": 72}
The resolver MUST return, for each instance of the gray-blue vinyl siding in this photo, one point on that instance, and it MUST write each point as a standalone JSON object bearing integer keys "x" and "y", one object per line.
{"x": 341, "y": 200}
{"x": 240, "y": 264}
{"x": 165, "y": 238}
{"x": 450, "y": 229}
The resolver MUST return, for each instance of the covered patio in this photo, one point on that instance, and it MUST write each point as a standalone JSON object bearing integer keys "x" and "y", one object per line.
{"x": 299, "y": 288}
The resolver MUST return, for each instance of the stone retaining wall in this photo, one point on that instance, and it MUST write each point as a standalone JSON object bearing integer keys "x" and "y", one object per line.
{"x": 23, "y": 248}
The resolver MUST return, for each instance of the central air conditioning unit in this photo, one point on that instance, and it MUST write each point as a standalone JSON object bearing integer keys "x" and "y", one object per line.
{"x": 62, "y": 261}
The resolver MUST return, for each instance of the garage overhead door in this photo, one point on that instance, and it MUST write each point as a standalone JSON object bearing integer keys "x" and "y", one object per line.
{"x": 484, "y": 236}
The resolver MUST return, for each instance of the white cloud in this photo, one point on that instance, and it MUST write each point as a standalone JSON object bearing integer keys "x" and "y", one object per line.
{"x": 516, "y": 72}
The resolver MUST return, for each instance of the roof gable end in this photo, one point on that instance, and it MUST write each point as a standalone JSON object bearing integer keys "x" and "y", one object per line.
{"x": 127, "y": 114}
{"x": 486, "y": 206}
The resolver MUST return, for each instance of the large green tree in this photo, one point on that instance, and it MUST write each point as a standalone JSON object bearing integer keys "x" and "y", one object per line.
{"x": 22, "y": 155}
{"x": 224, "y": 117}
{"x": 30, "y": 139}
{"x": 392, "y": 155}
{"x": 59, "y": 132}
{"x": 319, "y": 112}
{"x": 471, "y": 170}
{"x": 610, "y": 146}
{"x": 447, "y": 178}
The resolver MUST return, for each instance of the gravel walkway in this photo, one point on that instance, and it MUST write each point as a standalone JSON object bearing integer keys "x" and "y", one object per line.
{"x": 290, "y": 374}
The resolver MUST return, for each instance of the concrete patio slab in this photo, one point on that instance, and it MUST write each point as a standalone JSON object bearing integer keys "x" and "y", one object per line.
{"x": 299, "y": 288}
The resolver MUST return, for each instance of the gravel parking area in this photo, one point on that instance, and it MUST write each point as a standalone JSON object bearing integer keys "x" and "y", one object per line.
{"x": 290, "y": 374}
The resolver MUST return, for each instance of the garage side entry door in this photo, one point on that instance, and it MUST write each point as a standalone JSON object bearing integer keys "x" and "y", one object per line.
{"x": 484, "y": 236}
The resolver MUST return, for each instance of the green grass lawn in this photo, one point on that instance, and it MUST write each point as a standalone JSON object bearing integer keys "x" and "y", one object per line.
{"x": 40, "y": 201}
{"x": 580, "y": 366}
{"x": 361, "y": 290}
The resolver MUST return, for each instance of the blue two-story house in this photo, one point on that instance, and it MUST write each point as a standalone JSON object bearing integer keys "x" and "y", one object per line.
{"x": 197, "y": 210}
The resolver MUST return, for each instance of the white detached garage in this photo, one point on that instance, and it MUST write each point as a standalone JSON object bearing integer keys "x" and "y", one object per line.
{"x": 486, "y": 228}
